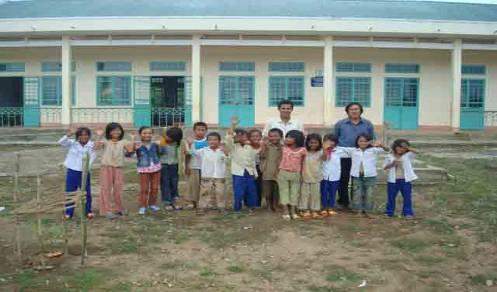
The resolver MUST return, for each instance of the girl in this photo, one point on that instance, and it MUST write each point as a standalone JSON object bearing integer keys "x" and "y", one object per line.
{"x": 255, "y": 138}
{"x": 149, "y": 167}
{"x": 331, "y": 173}
{"x": 76, "y": 149}
{"x": 270, "y": 160}
{"x": 169, "y": 157}
{"x": 311, "y": 177}
{"x": 400, "y": 174}
{"x": 289, "y": 177}
{"x": 111, "y": 169}
{"x": 363, "y": 172}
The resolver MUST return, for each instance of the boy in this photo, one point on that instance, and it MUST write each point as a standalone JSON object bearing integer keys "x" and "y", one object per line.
{"x": 213, "y": 170}
{"x": 193, "y": 163}
{"x": 270, "y": 161}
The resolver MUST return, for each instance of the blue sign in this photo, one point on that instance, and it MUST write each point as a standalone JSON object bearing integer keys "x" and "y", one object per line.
{"x": 317, "y": 81}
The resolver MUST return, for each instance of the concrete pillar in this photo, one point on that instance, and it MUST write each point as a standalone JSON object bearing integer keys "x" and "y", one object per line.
{"x": 196, "y": 75}
{"x": 455, "y": 117}
{"x": 329, "y": 100}
{"x": 66, "y": 81}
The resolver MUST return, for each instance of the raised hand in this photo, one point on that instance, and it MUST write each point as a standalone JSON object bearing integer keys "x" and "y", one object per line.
{"x": 69, "y": 132}
{"x": 326, "y": 145}
{"x": 132, "y": 135}
{"x": 234, "y": 121}
{"x": 100, "y": 133}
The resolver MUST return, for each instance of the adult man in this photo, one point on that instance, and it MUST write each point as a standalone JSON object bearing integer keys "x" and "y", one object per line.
{"x": 285, "y": 123}
{"x": 347, "y": 131}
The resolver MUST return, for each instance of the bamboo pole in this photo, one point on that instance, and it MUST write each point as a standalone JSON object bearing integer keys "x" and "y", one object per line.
{"x": 82, "y": 215}
{"x": 15, "y": 194}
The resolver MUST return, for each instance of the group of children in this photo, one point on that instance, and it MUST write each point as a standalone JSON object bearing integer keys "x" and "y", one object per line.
{"x": 298, "y": 173}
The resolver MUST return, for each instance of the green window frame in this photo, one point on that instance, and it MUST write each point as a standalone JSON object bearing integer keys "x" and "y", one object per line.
{"x": 236, "y": 90}
{"x": 353, "y": 67}
{"x": 167, "y": 66}
{"x": 12, "y": 67}
{"x": 114, "y": 66}
{"x": 54, "y": 66}
{"x": 114, "y": 90}
{"x": 286, "y": 88}
{"x": 286, "y": 66}
{"x": 51, "y": 91}
{"x": 472, "y": 93}
{"x": 401, "y": 68}
{"x": 237, "y": 66}
{"x": 473, "y": 70}
{"x": 401, "y": 91}
{"x": 353, "y": 89}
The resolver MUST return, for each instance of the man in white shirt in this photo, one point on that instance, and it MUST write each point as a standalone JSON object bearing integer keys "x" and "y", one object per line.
{"x": 285, "y": 123}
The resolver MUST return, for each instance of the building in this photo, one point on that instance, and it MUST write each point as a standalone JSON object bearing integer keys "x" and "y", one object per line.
{"x": 412, "y": 64}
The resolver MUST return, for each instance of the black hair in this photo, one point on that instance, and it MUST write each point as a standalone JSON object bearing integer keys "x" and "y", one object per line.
{"x": 254, "y": 130}
{"x": 310, "y": 137}
{"x": 331, "y": 137}
{"x": 200, "y": 124}
{"x": 352, "y": 104}
{"x": 285, "y": 101}
{"x": 400, "y": 143}
{"x": 175, "y": 133}
{"x": 214, "y": 134}
{"x": 140, "y": 130}
{"x": 112, "y": 126}
{"x": 240, "y": 131}
{"x": 365, "y": 136}
{"x": 276, "y": 130}
{"x": 82, "y": 130}
{"x": 298, "y": 136}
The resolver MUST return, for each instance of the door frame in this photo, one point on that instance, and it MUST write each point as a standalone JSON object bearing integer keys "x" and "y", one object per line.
{"x": 220, "y": 105}
{"x": 402, "y": 100}
{"x": 485, "y": 88}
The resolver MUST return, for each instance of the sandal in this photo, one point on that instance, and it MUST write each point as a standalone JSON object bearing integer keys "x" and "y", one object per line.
{"x": 295, "y": 216}
{"x": 331, "y": 212}
{"x": 324, "y": 213}
{"x": 306, "y": 215}
{"x": 90, "y": 216}
{"x": 286, "y": 217}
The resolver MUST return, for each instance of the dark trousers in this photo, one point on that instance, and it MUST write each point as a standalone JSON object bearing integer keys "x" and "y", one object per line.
{"x": 271, "y": 194}
{"x": 405, "y": 189}
{"x": 244, "y": 190}
{"x": 73, "y": 183}
{"x": 258, "y": 186}
{"x": 169, "y": 183}
{"x": 328, "y": 193}
{"x": 343, "y": 190}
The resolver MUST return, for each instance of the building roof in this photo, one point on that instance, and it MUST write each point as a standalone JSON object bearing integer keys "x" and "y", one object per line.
{"x": 384, "y": 9}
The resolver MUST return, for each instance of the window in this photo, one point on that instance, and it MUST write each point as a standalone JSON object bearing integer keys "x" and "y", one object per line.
{"x": 237, "y": 66}
{"x": 286, "y": 87}
{"x": 113, "y": 90}
{"x": 401, "y": 68}
{"x": 113, "y": 66}
{"x": 51, "y": 91}
{"x": 12, "y": 67}
{"x": 473, "y": 69}
{"x": 236, "y": 90}
{"x": 472, "y": 93}
{"x": 401, "y": 92}
{"x": 286, "y": 66}
{"x": 353, "y": 89}
{"x": 353, "y": 67}
{"x": 54, "y": 66}
{"x": 167, "y": 66}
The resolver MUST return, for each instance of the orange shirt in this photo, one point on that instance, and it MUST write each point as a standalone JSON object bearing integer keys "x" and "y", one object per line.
{"x": 292, "y": 159}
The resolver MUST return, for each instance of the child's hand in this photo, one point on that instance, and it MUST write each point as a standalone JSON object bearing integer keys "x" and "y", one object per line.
{"x": 234, "y": 121}
{"x": 326, "y": 145}
{"x": 99, "y": 132}
{"x": 132, "y": 135}
{"x": 69, "y": 132}
{"x": 377, "y": 144}
{"x": 189, "y": 140}
{"x": 138, "y": 144}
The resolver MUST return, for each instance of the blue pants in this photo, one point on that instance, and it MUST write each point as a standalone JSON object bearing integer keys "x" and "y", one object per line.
{"x": 405, "y": 189}
{"x": 169, "y": 183}
{"x": 244, "y": 190}
{"x": 328, "y": 193}
{"x": 73, "y": 183}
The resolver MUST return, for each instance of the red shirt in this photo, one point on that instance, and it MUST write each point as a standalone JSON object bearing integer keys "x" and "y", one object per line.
{"x": 292, "y": 159}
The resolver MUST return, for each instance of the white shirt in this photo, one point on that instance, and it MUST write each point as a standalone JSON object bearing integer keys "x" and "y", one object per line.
{"x": 195, "y": 163}
{"x": 243, "y": 157}
{"x": 332, "y": 168}
{"x": 368, "y": 159}
{"x": 284, "y": 127}
{"x": 407, "y": 159}
{"x": 74, "y": 157}
{"x": 213, "y": 162}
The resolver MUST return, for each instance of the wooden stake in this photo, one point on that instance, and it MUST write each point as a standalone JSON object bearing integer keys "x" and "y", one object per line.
{"x": 15, "y": 198}
{"x": 86, "y": 164}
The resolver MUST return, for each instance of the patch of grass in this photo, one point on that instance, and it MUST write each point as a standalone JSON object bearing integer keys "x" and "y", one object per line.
{"x": 122, "y": 287}
{"x": 441, "y": 225}
{"x": 341, "y": 275}
{"x": 207, "y": 273}
{"x": 235, "y": 269}
{"x": 128, "y": 245}
{"x": 411, "y": 245}
{"x": 481, "y": 279}
{"x": 429, "y": 260}
{"x": 88, "y": 279}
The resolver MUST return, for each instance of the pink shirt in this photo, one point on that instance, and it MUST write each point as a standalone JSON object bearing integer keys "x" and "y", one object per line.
{"x": 291, "y": 160}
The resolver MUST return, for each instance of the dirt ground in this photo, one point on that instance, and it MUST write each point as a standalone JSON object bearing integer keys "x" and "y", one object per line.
{"x": 450, "y": 246}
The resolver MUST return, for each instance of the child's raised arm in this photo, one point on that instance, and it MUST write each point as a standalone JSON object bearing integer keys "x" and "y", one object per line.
{"x": 66, "y": 140}
{"x": 131, "y": 147}
{"x": 379, "y": 145}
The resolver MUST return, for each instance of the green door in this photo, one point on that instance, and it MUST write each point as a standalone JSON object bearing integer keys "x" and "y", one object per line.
{"x": 401, "y": 103}
{"x": 31, "y": 109}
{"x": 141, "y": 109}
{"x": 236, "y": 99}
{"x": 472, "y": 104}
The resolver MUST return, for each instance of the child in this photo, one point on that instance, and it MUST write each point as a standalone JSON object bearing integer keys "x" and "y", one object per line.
{"x": 310, "y": 198}
{"x": 193, "y": 164}
{"x": 169, "y": 149}
{"x": 148, "y": 166}
{"x": 398, "y": 164}
{"x": 213, "y": 162}
{"x": 76, "y": 149}
{"x": 331, "y": 173}
{"x": 111, "y": 173}
{"x": 255, "y": 138}
{"x": 363, "y": 172}
{"x": 289, "y": 176}
{"x": 270, "y": 161}
{"x": 243, "y": 168}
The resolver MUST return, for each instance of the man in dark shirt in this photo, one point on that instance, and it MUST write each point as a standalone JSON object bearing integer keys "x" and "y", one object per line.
{"x": 347, "y": 131}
